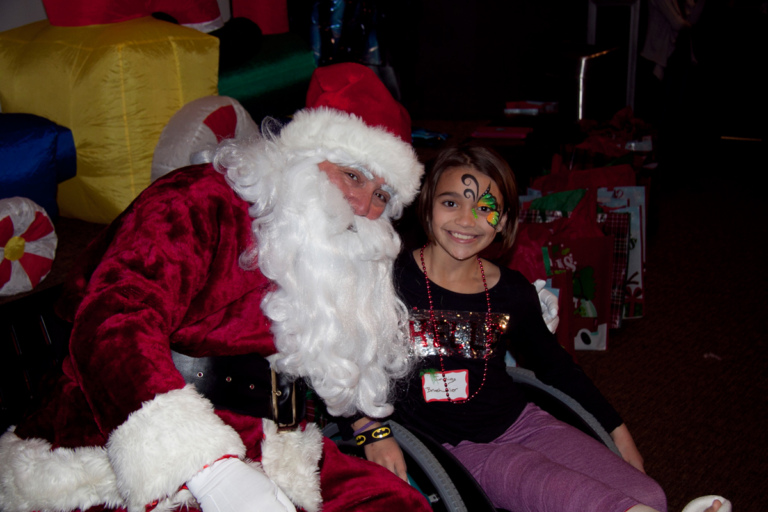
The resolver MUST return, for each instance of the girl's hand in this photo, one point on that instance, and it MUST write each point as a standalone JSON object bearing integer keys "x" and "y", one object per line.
{"x": 627, "y": 447}
{"x": 387, "y": 453}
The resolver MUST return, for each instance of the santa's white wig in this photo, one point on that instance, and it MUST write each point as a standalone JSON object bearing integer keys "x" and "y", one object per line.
{"x": 335, "y": 315}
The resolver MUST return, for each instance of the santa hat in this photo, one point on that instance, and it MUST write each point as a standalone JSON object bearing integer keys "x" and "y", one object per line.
{"x": 351, "y": 118}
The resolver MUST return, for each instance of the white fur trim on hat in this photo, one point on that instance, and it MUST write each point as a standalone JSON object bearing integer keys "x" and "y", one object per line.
{"x": 327, "y": 131}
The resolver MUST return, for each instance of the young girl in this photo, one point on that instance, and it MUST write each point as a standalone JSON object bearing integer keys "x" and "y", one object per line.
{"x": 465, "y": 313}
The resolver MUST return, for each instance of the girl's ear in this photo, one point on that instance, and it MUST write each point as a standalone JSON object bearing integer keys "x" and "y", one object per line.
{"x": 500, "y": 226}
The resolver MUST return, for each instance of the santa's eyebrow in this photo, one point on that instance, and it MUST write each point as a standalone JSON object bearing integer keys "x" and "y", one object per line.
{"x": 370, "y": 177}
{"x": 368, "y": 174}
{"x": 389, "y": 190}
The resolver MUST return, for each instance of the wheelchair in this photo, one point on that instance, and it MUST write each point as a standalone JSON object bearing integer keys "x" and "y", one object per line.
{"x": 442, "y": 479}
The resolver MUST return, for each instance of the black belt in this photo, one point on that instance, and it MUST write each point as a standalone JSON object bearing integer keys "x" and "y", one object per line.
{"x": 246, "y": 384}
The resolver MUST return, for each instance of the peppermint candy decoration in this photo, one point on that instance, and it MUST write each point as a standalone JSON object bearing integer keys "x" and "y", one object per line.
{"x": 27, "y": 245}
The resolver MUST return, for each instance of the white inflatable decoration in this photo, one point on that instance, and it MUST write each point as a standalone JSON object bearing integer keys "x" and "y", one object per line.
{"x": 192, "y": 134}
{"x": 27, "y": 245}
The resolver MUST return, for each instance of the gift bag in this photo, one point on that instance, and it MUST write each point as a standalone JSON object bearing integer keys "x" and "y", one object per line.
{"x": 615, "y": 224}
{"x": 590, "y": 261}
{"x": 632, "y": 201}
{"x": 573, "y": 244}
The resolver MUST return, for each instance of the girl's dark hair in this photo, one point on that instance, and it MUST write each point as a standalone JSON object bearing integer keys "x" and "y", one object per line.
{"x": 485, "y": 161}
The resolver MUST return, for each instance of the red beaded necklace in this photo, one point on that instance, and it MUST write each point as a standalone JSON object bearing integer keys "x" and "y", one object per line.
{"x": 435, "y": 341}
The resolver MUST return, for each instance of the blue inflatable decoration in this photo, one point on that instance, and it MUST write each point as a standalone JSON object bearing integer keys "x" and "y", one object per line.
{"x": 35, "y": 155}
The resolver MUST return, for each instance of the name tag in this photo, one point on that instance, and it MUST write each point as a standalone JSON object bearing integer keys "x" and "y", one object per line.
{"x": 433, "y": 386}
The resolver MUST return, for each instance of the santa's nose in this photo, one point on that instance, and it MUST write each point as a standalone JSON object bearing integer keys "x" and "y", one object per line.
{"x": 361, "y": 203}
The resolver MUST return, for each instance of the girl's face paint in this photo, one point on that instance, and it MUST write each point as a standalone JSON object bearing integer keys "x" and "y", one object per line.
{"x": 488, "y": 205}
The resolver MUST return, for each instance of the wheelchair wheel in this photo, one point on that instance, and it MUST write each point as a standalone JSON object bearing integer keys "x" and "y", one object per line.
{"x": 424, "y": 471}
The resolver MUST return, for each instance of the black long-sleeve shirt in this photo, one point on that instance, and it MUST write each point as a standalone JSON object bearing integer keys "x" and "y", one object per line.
{"x": 500, "y": 401}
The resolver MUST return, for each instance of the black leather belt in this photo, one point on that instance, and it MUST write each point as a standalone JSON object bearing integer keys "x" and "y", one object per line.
{"x": 246, "y": 384}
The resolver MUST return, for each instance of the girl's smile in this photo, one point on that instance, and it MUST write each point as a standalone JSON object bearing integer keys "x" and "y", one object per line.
{"x": 462, "y": 236}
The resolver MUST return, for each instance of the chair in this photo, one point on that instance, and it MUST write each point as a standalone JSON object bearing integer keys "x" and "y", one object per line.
{"x": 443, "y": 479}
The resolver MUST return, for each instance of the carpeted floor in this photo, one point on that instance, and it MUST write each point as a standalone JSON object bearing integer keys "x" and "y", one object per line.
{"x": 689, "y": 378}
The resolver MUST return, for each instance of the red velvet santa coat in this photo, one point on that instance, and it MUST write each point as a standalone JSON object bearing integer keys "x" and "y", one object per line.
{"x": 165, "y": 275}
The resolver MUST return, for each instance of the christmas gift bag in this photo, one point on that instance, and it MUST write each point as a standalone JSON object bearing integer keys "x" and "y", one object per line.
{"x": 616, "y": 225}
{"x": 630, "y": 200}
{"x": 560, "y": 205}
{"x": 576, "y": 244}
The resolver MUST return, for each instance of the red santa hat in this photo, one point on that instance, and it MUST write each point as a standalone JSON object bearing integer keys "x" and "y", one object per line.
{"x": 350, "y": 115}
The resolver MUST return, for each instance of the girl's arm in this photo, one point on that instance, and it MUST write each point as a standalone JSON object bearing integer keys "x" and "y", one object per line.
{"x": 537, "y": 349}
{"x": 627, "y": 447}
{"x": 385, "y": 453}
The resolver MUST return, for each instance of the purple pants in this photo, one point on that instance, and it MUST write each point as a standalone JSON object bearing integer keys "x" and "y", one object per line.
{"x": 543, "y": 465}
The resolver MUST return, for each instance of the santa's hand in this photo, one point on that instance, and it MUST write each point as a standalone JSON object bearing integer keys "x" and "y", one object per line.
{"x": 231, "y": 485}
{"x": 549, "y": 305}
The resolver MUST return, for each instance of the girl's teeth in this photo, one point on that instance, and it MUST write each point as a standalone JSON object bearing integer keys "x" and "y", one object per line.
{"x": 463, "y": 237}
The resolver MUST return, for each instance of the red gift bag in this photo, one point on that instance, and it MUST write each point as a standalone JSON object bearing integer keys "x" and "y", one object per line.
{"x": 576, "y": 244}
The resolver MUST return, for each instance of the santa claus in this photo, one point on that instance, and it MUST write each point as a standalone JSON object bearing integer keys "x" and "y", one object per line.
{"x": 279, "y": 253}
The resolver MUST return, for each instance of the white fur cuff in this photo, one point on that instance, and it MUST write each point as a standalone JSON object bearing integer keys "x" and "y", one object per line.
{"x": 34, "y": 477}
{"x": 291, "y": 460}
{"x": 160, "y": 446}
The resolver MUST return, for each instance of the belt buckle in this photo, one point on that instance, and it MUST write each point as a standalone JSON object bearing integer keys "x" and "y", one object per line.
{"x": 283, "y": 427}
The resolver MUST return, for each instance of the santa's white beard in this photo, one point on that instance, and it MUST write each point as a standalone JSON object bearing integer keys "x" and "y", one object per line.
{"x": 335, "y": 315}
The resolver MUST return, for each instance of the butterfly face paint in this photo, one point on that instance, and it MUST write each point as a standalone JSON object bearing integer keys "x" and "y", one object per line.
{"x": 488, "y": 205}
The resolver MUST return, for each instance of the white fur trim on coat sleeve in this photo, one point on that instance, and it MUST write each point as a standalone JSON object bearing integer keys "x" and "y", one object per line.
{"x": 35, "y": 477}
{"x": 291, "y": 460}
{"x": 167, "y": 441}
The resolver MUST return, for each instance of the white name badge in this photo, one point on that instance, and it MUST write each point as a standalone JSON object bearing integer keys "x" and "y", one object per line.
{"x": 456, "y": 381}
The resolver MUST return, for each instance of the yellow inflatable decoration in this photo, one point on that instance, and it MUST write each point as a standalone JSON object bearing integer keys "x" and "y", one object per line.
{"x": 115, "y": 86}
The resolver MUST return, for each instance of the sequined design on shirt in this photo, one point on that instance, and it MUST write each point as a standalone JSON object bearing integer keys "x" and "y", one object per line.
{"x": 460, "y": 333}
